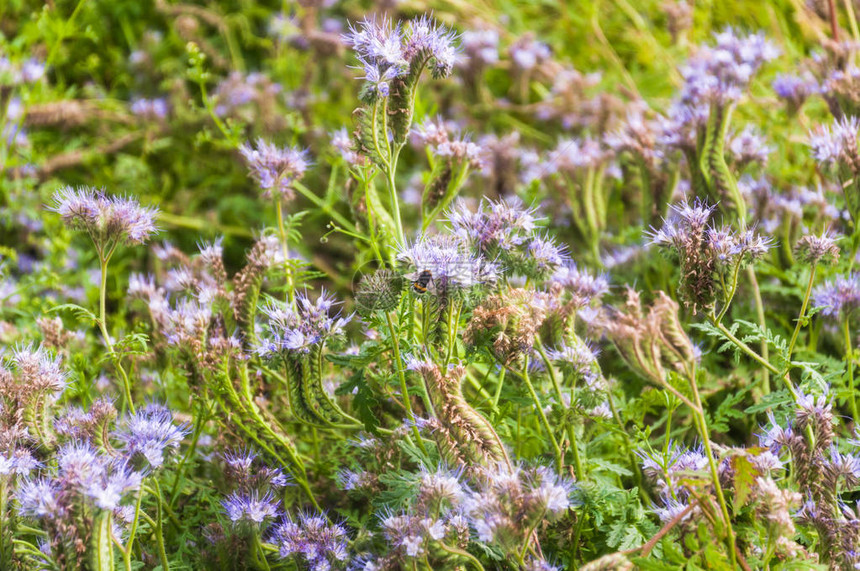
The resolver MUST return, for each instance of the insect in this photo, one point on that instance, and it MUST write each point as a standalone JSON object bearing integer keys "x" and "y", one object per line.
{"x": 421, "y": 284}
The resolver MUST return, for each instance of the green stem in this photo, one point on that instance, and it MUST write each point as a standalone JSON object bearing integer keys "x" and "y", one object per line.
{"x": 285, "y": 251}
{"x": 462, "y": 553}
{"x": 846, "y": 333}
{"x": 180, "y": 470}
{"x": 802, "y": 316}
{"x": 322, "y": 205}
{"x": 404, "y": 388}
{"x": 393, "y": 200}
{"x": 715, "y": 475}
{"x": 759, "y": 310}
{"x": 556, "y": 449}
{"x": 578, "y": 470}
{"x": 498, "y": 393}
{"x": 745, "y": 348}
{"x": 731, "y": 293}
{"x": 159, "y": 527}
{"x": 5, "y": 550}
{"x": 126, "y": 383}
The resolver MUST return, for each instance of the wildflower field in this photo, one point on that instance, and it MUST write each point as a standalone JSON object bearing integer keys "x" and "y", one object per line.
{"x": 463, "y": 285}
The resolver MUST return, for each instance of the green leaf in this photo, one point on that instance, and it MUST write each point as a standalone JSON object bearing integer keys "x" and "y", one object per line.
{"x": 745, "y": 474}
{"x": 606, "y": 465}
{"x": 81, "y": 313}
{"x": 771, "y": 401}
{"x": 363, "y": 402}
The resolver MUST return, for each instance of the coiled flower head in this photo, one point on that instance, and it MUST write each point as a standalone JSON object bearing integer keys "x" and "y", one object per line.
{"x": 106, "y": 219}
{"x": 276, "y": 169}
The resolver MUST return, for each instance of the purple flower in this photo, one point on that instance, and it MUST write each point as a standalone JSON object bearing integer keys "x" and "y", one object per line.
{"x": 387, "y": 51}
{"x": 342, "y": 141}
{"x": 845, "y": 466}
{"x": 813, "y": 249}
{"x": 238, "y": 90}
{"x": 481, "y": 47}
{"x": 151, "y": 432}
{"x": 39, "y": 498}
{"x": 296, "y": 330}
{"x": 313, "y": 540}
{"x": 252, "y": 507}
{"x": 452, "y": 266}
{"x": 426, "y": 36}
{"x": 722, "y": 72}
{"x": 442, "y": 139}
{"x": 36, "y": 371}
{"x": 749, "y": 146}
{"x": 378, "y": 42}
{"x": 794, "y": 89}
{"x": 579, "y": 357}
{"x": 247, "y": 472}
{"x": 109, "y": 489}
{"x": 149, "y": 108}
{"x": 544, "y": 257}
{"x": 830, "y": 144}
{"x": 80, "y": 464}
{"x": 527, "y": 53}
{"x": 507, "y": 502}
{"x": 838, "y": 297}
{"x": 776, "y": 437}
{"x": 582, "y": 285}
{"x": 440, "y": 487}
{"x": 107, "y": 219}
{"x": 274, "y": 168}
{"x": 495, "y": 226}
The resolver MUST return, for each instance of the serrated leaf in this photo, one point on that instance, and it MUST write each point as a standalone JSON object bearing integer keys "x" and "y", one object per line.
{"x": 610, "y": 466}
{"x": 772, "y": 400}
{"x": 745, "y": 474}
{"x": 81, "y": 313}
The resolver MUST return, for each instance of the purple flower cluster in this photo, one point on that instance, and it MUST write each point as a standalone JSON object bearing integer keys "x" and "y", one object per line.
{"x": 689, "y": 227}
{"x": 573, "y": 154}
{"x": 721, "y": 73}
{"x": 583, "y": 286}
{"x": 452, "y": 266}
{"x": 830, "y": 145}
{"x": 749, "y": 146}
{"x": 19, "y": 462}
{"x": 580, "y": 358}
{"x": 237, "y": 91}
{"x": 317, "y": 543}
{"x": 481, "y": 48}
{"x": 107, "y": 219}
{"x": 274, "y": 168}
{"x": 82, "y": 473}
{"x": 150, "y": 433}
{"x": 253, "y": 501}
{"x": 527, "y": 53}
{"x": 297, "y": 329}
{"x": 509, "y": 501}
{"x": 18, "y": 73}
{"x": 251, "y": 507}
{"x": 387, "y": 51}
{"x": 838, "y": 297}
{"x": 436, "y": 136}
{"x": 31, "y": 371}
{"x": 151, "y": 109}
{"x": 343, "y": 142}
{"x": 507, "y": 231}
{"x": 794, "y": 89}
